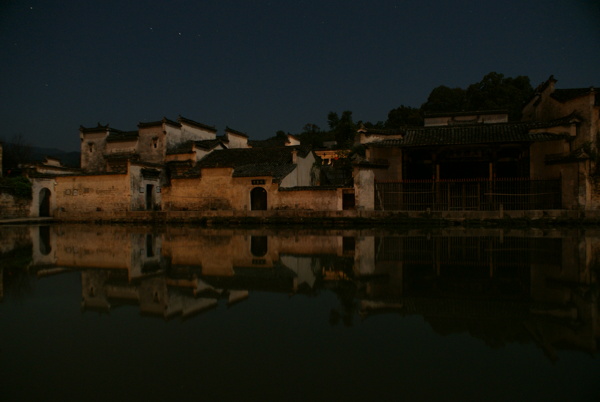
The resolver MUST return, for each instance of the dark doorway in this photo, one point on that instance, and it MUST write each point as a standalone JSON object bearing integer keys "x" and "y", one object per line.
{"x": 258, "y": 199}
{"x": 44, "y": 202}
{"x": 149, "y": 197}
{"x": 149, "y": 246}
{"x": 258, "y": 246}
{"x": 45, "y": 247}
{"x": 348, "y": 201}
{"x": 464, "y": 170}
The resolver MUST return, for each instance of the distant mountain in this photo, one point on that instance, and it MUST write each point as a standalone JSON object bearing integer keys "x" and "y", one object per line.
{"x": 70, "y": 159}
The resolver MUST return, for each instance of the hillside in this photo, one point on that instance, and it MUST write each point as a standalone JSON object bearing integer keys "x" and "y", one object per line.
{"x": 70, "y": 159}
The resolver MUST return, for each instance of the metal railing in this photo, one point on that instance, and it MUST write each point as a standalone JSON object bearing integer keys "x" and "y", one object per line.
{"x": 468, "y": 195}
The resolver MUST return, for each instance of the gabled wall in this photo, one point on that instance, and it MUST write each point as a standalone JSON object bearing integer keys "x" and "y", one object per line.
{"x": 301, "y": 175}
{"x": 152, "y": 142}
{"x": 390, "y": 154}
{"x": 544, "y": 107}
{"x": 189, "y": 132}
{"x": 236, "y": 141}
{"x": 93, "y": 145}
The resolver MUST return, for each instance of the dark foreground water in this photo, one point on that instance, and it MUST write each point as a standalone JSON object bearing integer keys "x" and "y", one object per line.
{"x": 129, "y": 313}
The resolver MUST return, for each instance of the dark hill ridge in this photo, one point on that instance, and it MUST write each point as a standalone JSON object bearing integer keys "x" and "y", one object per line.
{"x": 70, "y": 159}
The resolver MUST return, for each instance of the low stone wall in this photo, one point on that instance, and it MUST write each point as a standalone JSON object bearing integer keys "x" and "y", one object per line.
{"x": 13, "y": 207}
{"x": 82, "y": 195}
{"x": 308, "y": 199}
{"x": 344, "y": 217}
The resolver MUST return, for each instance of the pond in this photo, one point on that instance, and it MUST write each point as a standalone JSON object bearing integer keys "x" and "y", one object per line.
{"x": 139, "y": 313}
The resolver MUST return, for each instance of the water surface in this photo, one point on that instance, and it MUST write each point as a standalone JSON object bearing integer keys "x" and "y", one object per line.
{"x": 133, "y": 313}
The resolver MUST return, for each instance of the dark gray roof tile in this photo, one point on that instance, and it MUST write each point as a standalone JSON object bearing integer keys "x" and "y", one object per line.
{"x": 252, "y": 162}
{"x": 563, "y": 95}
{"x": 473, "y": 134}
{"x": 122, "y": 136}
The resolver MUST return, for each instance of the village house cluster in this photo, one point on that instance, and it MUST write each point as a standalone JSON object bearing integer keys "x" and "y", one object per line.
{"x": 469, "y": 161}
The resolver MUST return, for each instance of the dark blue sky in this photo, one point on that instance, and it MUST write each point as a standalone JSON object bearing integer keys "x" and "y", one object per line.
{"x": 263, "y": 66}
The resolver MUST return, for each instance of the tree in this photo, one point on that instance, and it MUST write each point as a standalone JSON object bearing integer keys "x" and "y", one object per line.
{"x": 333, "y": 120}
{"x": 311, "y": 128}
{"x": 16, "y": 151}
{"x": 493, "y": 92}
{"x": 342, "y": 128}
{"x": 404, "y": 116}
{"x": 445, "y": 99}
{"x": 312, "y": 135}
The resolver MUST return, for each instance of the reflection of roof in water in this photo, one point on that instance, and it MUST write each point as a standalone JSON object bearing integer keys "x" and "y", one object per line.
{"x": 276, "y": 279}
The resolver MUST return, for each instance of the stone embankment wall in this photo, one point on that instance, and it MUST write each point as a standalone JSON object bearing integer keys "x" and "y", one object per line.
{"x": 13, "y": 207}
{"x": 346, "y": 217}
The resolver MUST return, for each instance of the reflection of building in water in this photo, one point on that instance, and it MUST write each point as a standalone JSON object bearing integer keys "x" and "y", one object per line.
{"x": 182, "y": 270}
{"x": 501, "y": 286}
{"x": 15, "y": 256}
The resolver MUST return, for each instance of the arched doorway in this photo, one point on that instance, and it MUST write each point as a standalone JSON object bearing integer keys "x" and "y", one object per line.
{"x": 258, "y": 246}
{"x": 258, "y": 199}
{"x": 44, "y": 198}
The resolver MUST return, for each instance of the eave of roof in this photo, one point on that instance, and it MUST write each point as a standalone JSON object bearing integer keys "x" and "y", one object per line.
{"x": 232, "y": 131}
{"x": 190, "y": 122}
{"x": 158, "y": 123}
{"x": 122, "y": 136}
{"x": 474, "y": 134}
{"x": 97, "y": 129}
{"x": 252, "y": 162}
{"x": 465, "y": 113}
{"x": 567, "y": 94}
{"x": 277, "y": 172}
{"x": 208, "y": 144}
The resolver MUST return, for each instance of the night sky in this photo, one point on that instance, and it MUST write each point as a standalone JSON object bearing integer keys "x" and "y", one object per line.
{"x": 263, "y": 66}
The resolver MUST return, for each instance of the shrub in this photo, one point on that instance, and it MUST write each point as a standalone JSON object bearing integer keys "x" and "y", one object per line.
{"x": 19, "y": 186}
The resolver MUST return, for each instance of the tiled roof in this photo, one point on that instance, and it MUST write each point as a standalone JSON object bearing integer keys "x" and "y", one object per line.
{"x": 250, "y": 162}
{"x": 181, "y": 148}
{"x": 208, "y": 144}
{"x": 158, "y": 123}
{"x": 182, "y": 119}
{"x": 232, "y": 131}
{"x": 98, "y": 129}
{"x": 122, "y": 156}
{"x": 268, "y": 143}
{"x": 473, "y": 134}
{"x": 122, "y": 136}
{"x": 465, "y": 113}
{"x": 386, "y": 131}
{"x": 188, "y": 146}
{"x": 278, "y": 172}
{"x": 563, "y": 95}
